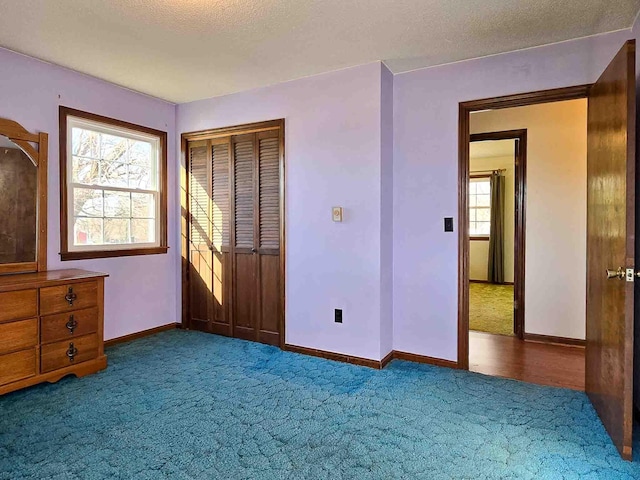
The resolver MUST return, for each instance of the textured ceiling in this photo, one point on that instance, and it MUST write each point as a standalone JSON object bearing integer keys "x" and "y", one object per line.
{"x": 183, "y": 50}
{"x": 492, "y": 148}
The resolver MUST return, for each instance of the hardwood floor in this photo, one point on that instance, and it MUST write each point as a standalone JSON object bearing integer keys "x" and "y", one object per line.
{"x": 510, "y": 357}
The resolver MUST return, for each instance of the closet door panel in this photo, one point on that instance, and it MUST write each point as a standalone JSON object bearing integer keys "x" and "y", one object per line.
{"x": 200, "y": 266}
{"x": 269, "y": 167}
{"x": 269, "y": 185}
{"x": 221, "y": 234}
{"x": 245, "y": 289}
{"x": 245, "y": 295}
{"x": 244, "y": 166}
{"x": 270, "y": 311}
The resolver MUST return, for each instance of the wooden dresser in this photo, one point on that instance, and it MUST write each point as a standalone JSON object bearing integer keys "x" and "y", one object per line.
{"x": 51, "y": 325}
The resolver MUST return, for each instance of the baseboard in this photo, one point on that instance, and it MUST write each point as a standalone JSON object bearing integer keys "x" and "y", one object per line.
{"x": 338, "y": 357}
{"x": 572, "y": 342}
{"x": 367, "y": 362}
{"x": 144, "y": 333}
{"x": 388, "y": 357}
{"x": 412, "y": 357}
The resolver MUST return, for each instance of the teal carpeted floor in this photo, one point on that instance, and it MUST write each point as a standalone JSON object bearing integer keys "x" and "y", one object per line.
{"x": 188, "y": 405}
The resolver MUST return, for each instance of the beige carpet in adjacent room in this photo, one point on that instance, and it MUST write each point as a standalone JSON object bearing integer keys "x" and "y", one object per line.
{"x": 491, "y": 308}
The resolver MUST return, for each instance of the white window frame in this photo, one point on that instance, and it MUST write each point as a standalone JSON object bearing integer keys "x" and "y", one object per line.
{"x": 154, "y": 140}
{"x": 478, "y": 180}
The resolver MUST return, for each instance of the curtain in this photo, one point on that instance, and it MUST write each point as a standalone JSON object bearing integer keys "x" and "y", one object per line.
{"x": 496, "y": 235}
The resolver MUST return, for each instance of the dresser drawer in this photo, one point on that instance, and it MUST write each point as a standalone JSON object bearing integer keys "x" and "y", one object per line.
{"x": 18, "y": 365}
{"x": 65, "y": 298}
{"x": 18, "y": 335}
{"x": 66, "y": 326}
{"x": 67, "y": 353}
{"x": 17, "y": 305}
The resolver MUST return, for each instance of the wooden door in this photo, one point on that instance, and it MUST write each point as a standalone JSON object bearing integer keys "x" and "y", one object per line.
{"x": 200, "y": 255}
{"x": 257, "y": 312}
{"x": 209, "y": 235}
{"x": 268, "y": 237}
{"x": 245, "y": 281}
{"x": 610, "y": 246}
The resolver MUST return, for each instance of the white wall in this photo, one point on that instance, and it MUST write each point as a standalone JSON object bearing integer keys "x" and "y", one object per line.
{"x": 479, "y": 249}
{"x": 333, "y": 157}
{"x": 556, "y": 211}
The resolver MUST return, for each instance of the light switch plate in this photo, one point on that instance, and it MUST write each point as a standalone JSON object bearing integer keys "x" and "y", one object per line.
{"x": 336, "y": 212}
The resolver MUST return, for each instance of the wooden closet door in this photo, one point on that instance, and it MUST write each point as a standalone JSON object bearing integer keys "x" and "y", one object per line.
{"x": 268, "y": 236}
{"x": 256, "y": 232}
{"x": 209, "y": 235}
{"x": 221, "y": 234}
{"x": 200, "y": 255}
{"x": 245, "y": 280}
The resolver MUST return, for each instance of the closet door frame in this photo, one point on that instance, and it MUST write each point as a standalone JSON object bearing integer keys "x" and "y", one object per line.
{"x": 210, "y": 134}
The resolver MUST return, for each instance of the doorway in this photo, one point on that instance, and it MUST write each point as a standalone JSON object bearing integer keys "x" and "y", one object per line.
{"x": 552, "y": 143}
{"x": 497, "y": 203}
{"x": 610, "y": 236}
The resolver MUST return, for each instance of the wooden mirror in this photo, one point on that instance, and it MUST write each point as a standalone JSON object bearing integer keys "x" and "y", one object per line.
{"x": 23, "y": 199}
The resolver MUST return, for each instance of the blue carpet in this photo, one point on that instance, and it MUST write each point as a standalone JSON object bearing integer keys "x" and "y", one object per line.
{"x": 189, "y": 405}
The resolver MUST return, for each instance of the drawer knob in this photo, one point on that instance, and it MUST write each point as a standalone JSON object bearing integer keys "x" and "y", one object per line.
{"x": 71, "y": 324}
{"x": 72, "y": 352}
{"x": 70, "y": 296}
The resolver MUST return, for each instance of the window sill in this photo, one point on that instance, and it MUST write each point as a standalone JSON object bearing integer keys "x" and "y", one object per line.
{"x": 484, "y": 239}
{"x": 86, "y": 255}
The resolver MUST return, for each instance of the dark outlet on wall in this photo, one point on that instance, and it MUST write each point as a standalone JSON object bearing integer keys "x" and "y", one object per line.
{"x": 338, "y": 315}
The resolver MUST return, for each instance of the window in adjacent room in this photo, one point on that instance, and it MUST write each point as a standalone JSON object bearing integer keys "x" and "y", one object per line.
{"x": 480, "y": 207}
{"x": 113, "y": 187}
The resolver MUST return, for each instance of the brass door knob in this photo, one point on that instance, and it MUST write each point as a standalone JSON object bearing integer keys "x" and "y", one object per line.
{"x": 620, "y": 273}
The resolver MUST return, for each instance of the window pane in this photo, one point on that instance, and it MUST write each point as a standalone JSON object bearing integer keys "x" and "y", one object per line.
{"x": 87, "y": 202}
{"x": 117, "y": 204}
{"x": 140, "y": 153}
{"x": 116, "y": 230}
{"x": 141, "y": 177}
{"x": 483, "y": 228}
{"x": 143, "y": 231}
{"x": 143, "y": 205}
{"x": 472, "y": 201}
{"x": 85, "y": 171}
{"x": 87, "y": 231}
{"x": 114, "y": 174}
{"x": 85, "y": 143}
{"x": 483, "y": 187}
{"x": 483, "y": 200}
{"x": 113, "y": 148}
{"x": 483, "y": 214}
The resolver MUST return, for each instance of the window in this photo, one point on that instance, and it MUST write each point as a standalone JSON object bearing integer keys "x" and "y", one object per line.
{"x": 113, "y": 187}
{"x": 480, "y": 207}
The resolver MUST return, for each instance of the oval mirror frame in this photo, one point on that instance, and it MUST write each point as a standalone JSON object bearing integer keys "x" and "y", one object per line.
{"x": 35, "y": 146}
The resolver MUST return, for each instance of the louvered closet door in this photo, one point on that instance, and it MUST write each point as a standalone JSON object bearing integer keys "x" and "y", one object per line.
{"x": 245, "y": 293}
{"x": 210, "y": 234}
{"x": 200, "y": 256}
{"x": 221, "y": 234}
{"x": 256, "y": 232}
{"x": 268, "y": 237}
